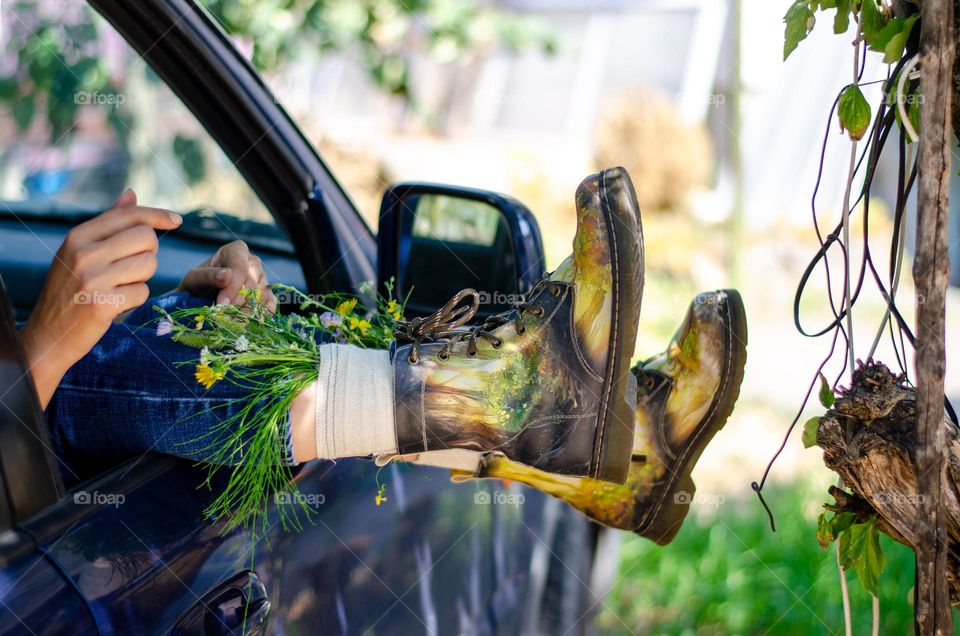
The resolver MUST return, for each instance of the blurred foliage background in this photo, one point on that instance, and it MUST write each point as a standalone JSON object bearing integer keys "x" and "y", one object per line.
{"x": 527, "y": 98}
{"x": 62, "y": 60}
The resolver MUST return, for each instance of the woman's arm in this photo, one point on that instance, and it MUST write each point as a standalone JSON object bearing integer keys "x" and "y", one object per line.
{"x": 99, "y": 272}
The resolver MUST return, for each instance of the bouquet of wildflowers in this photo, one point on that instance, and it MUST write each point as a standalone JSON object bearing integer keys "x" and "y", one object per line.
{"x": 273, "y": 358}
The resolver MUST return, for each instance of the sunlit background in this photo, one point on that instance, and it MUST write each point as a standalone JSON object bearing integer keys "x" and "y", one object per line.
{"x": 527, "y": 97}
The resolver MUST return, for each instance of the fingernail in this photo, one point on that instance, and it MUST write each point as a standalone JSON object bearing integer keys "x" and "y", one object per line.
{"x": 175, "y": 218}
{"x": 223, "y": 299}
{"x": 222, "y": 275}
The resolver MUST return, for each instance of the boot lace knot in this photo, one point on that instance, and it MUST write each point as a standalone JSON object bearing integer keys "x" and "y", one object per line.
{"x": 447, "y": 323}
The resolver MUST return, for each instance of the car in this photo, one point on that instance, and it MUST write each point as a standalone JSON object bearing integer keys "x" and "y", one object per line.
{"x": 129, "y": 550}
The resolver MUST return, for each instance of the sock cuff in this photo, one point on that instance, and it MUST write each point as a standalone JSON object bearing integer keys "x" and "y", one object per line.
{"x": 354, "y": 407}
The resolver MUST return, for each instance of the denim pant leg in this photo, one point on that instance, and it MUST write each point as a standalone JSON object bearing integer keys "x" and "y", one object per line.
{"x": 128, "y": 396}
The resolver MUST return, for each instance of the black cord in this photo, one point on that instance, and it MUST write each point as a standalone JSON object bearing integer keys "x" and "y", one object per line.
{"x": 884, "y": 123}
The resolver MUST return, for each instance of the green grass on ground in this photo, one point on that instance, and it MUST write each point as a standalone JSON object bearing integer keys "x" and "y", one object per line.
{"x": 729, "y": 574}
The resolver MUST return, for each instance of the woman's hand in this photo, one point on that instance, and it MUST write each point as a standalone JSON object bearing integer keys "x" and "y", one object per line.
{"x": 99, "y": 272}
{"x": 229, "y": 270}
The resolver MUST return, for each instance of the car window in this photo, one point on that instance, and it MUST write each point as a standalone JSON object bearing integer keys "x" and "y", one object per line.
{"x": 82, "y": 117}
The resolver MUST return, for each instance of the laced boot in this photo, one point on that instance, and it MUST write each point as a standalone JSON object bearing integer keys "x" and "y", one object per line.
{"x": 547, "y": 384}
{"x": 685, "y": 395}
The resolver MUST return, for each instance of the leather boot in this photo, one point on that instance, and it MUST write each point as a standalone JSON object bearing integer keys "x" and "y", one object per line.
{"x": 685, "y": 395}
{"x": 547, "y": 384}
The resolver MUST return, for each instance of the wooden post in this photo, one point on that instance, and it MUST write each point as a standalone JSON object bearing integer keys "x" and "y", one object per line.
{"x": 931, "y": 275}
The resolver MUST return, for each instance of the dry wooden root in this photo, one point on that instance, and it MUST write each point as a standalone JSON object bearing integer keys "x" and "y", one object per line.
{"x": 869, "y": 438}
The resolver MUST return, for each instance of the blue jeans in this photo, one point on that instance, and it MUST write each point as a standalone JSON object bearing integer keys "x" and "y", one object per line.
{"x": 128, "y": 396}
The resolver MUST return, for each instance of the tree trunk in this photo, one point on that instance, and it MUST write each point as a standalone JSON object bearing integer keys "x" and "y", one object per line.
{"x": 931, "y": 275}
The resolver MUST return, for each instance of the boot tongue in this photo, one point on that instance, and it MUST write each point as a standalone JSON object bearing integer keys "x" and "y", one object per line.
{"x": 566, "y": 271}
{"x": 695, "y": 374}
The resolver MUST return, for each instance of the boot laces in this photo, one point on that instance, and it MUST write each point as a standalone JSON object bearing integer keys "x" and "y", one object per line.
{"x": 447, "y": 323}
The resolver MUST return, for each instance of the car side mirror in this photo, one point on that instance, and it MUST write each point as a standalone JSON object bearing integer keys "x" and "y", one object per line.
{"x": 435, "y": 240}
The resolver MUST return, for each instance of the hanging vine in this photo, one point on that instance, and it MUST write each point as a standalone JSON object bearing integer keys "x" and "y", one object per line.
{"x": 890, "y": 32}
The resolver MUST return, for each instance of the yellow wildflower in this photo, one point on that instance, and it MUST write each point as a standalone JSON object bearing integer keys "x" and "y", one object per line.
{"x": 199, "y": 323}
{"x": 355, "y": 324}
{"x": 393, "y": 310}
{"x": 252, "y": 294}
{"x": 381, "y": 495}
{"x": 207, "y": 376}
{"x": 346, "y": 306}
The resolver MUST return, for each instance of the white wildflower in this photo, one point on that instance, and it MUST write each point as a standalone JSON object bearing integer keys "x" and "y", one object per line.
{"x": 366, "y": 287}
{"x": 242, "y": 344}
{"x": 205, "y": 356}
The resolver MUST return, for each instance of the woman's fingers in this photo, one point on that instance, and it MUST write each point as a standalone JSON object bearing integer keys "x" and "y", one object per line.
{"x": 231, "y": 269}
{"x": 118, "y": 219}
{"x": 127, "y": 198}
{"x": 206, "y": 278}
{"x": 236, "y": 257}
{"x": 133, "y": 240}
{"x": 131, "y": 296}
{"x": 138, "y": 268}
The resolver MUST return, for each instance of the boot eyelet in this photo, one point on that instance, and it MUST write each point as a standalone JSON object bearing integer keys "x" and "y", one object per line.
{"x": 648, "y": 382}
{"x": 538, "y": 312}
{"x": 412, "y": 359}
{"x": 443, "y": 356}
{"x": 555, "y": 292}
{"x": 522, "y": 329}
{"x": 497, "y": 344}
{"x": 471, "y": 354}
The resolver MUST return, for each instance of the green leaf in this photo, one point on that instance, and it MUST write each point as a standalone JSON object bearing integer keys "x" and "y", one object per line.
{"x": 845, "y": 555}
{"x": 841, "y": 22}
{"x": 872, "y": 20}
{"x": 841, "y": 522}
{"x": 824, "y": 531}
{"x": 855, "y": 114}
{"x": 860, "y": 551}
{"x": 870, "y": 562}
{"x": 892, "y": 38}
{"x": 8, "y": 87}
{"x": 893, "y": 51}
{"x": 800, "y": 22}
{"x": 913, "y": 113}
{"x": 893, "y": 28}
{"x": 853, "y": 545}
{"x": 810, "y": 428}
{"x": 23, "y": 110}
{"x": 826, "y": 396}
{"x": 190, "y": 154}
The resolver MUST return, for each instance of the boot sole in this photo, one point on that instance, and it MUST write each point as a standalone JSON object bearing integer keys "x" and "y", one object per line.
{"x": 665, "y": 516}
{"x": 613, "y": 442}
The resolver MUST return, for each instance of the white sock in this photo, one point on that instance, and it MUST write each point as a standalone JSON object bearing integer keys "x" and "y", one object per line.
{"x": 354, "y": 402}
